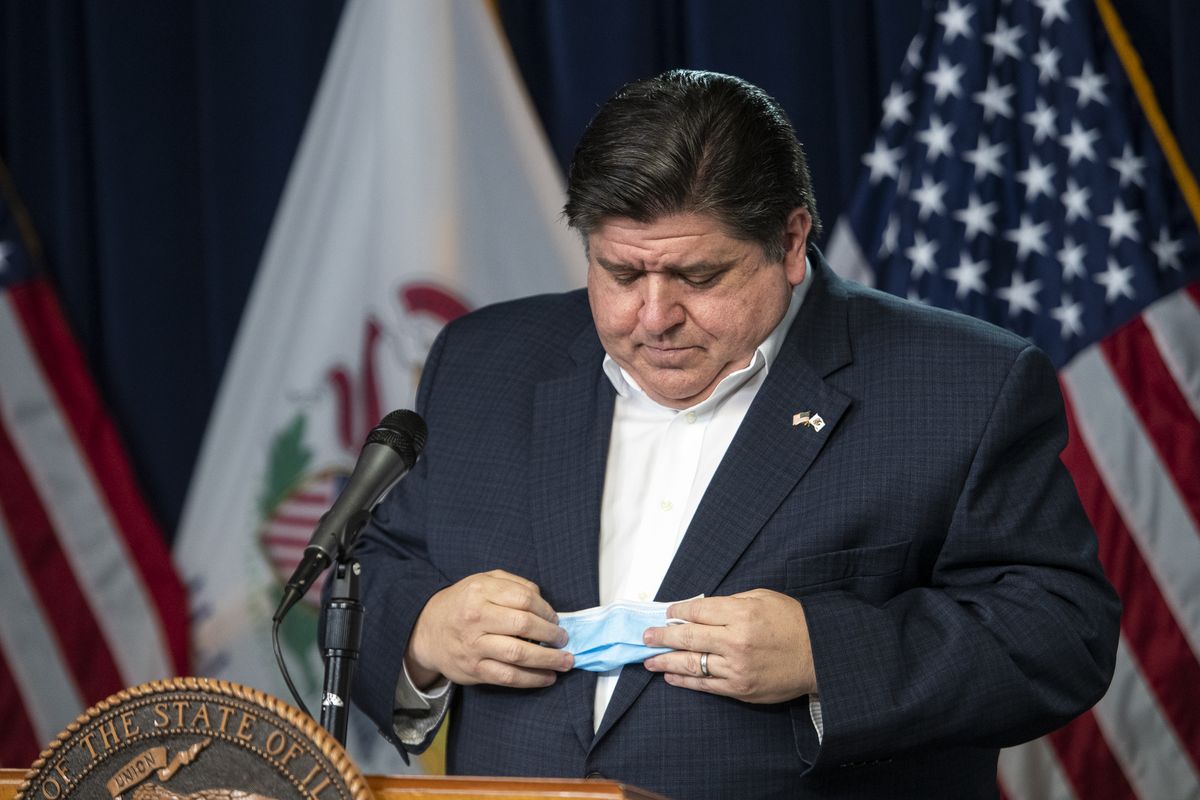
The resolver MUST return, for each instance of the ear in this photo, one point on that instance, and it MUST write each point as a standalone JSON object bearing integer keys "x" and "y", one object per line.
{"x": 795, "y": 237}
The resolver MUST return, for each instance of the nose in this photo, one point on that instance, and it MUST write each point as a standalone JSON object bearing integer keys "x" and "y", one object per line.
{"x": 661, "y": 310}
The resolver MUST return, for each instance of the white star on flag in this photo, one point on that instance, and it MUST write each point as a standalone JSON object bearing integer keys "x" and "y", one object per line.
{"x": 1116, "y": 280}
{"x": 1120, "y": 223}
{"x": 996, "y": 98}
{"x": 1070, "y": 316}
{"x": 882, "y": 161}
{"x": 1090, "y": 86}
{"x": 946, "y": 79}
{"x": 1046, "y": 61}
{"x": 1004, "y": 40}
{"x": 929, "y": 198}
{"x": 956, "y": 20}
{"x": 1080, "y": 143}
{"x": 1167, "y": 250}
{"x": 1075, "y": 199}
{"x": 1029, "y": 238}
{"x": 896, "y": 106}
{"x": 1071, "y": 258}
{"x": 986, "y": 157}
{"x": 915, "y": 297}
{"x": 921, "y": 254}
{"x": 1052, "y": 10}
{"x": 937, "y": 138}
{"x": 1043, "y": 119}
{"x": 913, "y": 56}
{"x": 1129, "y": 167}
{"x": 977, "y": 216}
{"x": 1020, "y": 295}
{"x": 891, "y": 237}
{"x": 1037, "y": 179}
{"x": 968, "y": 276}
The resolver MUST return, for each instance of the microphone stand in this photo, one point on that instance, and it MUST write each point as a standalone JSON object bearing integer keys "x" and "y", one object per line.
{"x": 341, "y": 616}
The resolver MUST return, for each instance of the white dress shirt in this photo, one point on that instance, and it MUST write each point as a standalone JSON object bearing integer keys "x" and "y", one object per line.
{"x": 660, "y": 462}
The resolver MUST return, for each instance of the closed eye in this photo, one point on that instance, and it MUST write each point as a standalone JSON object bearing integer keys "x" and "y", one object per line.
{"x": 625, "y": 278}
{"x": 700, "y": 280}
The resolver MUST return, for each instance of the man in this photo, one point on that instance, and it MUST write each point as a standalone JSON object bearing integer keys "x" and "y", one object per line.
{"x": 897, "y": 577}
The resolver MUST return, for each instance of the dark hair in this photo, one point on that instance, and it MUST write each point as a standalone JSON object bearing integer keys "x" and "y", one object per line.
{"x": 689, "y": 141}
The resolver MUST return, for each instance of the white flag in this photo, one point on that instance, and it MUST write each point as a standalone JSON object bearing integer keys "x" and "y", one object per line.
{"x": 423, "y": 187}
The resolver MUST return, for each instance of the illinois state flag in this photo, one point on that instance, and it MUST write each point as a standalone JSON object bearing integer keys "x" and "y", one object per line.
{"x": 422, "y": 188}
{"x": 89, "y": 600}
{"x": 1024, "y": 174}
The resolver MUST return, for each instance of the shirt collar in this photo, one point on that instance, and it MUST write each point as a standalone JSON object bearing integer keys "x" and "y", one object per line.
{"x": 763, "y": 356}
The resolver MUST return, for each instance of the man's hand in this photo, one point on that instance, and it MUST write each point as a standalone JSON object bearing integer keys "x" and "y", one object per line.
{"x": 483, "y": 629}
{"x": 757, "y": 645}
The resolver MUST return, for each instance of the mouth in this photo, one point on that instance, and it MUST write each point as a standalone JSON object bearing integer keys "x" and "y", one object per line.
{"x": 666, "y": 355}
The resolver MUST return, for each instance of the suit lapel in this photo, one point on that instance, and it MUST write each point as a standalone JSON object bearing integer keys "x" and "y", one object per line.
{"x": 572, "y": 419}
{"x": 765, "y": 460}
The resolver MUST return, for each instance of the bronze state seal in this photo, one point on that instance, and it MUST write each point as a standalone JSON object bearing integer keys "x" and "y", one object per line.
{"x": 197, "y": 739}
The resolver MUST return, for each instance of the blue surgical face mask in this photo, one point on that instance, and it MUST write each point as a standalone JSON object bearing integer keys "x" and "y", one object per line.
{"x": 607, "y": 637}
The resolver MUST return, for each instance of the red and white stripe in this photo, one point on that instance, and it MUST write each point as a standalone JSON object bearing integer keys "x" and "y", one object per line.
{"x": 1134, "y": 406}
{"x": 91, "y": 601}
{"x": 287, "y": 532}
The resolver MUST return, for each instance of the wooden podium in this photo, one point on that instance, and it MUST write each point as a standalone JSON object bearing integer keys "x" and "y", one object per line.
{"x": 249, "y": 738}
{"x": 429, "y": 787}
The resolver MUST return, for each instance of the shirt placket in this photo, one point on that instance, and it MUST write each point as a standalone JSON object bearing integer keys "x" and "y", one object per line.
{"x": 662, "y": 519}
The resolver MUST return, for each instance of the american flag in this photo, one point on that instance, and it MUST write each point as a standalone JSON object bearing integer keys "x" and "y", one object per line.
{"x": 91, "y": 603}
{"x": 1023, "y": 174}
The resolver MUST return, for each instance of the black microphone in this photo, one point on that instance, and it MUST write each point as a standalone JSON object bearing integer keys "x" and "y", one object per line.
{"x": 390, "y": 452}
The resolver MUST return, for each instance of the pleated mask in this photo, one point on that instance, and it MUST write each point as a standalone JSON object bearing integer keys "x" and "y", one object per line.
{"x": 607, "y": 637}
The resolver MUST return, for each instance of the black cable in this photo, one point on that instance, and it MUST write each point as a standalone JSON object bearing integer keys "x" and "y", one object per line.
{"x": 283, "y": 667}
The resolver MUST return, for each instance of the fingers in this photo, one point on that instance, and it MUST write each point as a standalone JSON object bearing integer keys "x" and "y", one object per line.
{"x": 506, "y": 661}
{"x": 511, "y": 591}
{"x": 707, "y": 685}
{"x": 684, "y": 670}
{"x": 757, "y": 645}
{"x": 496, "y": 673}
{"x": 523, "y": 654}
{"x": 691, "y": 636}
{"x": 503, "y": 603}
{"x": 486, "y": 629}
{"x": 499, "y": 573}
{"x": 687, "y": 664}
{"x": 496, "y": 619}
{"x": 726, "y": 676}
{"x": 715, "y": 610}
{"x": 705, "y": 610}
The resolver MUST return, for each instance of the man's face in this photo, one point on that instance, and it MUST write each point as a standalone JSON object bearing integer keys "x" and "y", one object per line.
{"x": 680, "y": 304}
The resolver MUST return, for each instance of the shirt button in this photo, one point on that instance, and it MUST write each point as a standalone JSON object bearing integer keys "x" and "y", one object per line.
{"x": 666, "y": 505}
{"x": 643, "y": 596}
{"x": 690, "y": 417}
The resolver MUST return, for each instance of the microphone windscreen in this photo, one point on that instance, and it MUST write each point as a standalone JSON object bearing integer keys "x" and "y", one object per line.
{"x": 404, "y": 431}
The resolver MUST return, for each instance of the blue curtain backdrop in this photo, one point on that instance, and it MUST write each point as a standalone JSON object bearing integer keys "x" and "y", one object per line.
{"x": 151, "y": 140}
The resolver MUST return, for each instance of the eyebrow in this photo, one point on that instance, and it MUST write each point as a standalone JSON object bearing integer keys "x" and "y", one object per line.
{"x": 697, "y": 268}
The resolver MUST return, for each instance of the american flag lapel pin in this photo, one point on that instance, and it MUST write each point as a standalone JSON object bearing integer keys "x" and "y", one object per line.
{"x": 809, "y": 419}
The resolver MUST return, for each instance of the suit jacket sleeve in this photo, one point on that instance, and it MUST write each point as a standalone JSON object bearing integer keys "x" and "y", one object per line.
{"x": 1013, "y": 633}
{"x": 397, "y": 581}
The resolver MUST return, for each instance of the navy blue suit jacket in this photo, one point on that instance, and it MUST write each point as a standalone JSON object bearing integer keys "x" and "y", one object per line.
{"x": 948, "y": 574}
